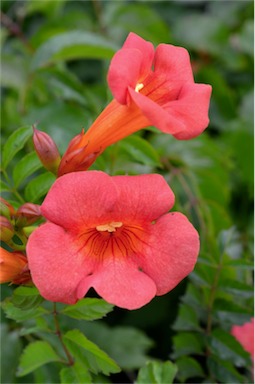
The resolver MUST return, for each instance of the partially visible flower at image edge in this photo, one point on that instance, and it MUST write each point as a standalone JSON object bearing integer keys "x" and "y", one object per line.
{"x": 245, "y": 335}
{"x": 150, "y": 87}
{"x": 112, "y": 233}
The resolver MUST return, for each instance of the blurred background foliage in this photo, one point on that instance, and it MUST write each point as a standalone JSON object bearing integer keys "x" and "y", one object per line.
{"x": 55, "y": 57}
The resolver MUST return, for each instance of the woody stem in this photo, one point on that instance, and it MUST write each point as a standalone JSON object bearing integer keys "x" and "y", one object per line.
{"x": 59, "y": 334}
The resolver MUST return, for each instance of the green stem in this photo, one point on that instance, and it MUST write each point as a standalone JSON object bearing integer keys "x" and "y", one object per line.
{"x": 13, "y": 189}
{"x": 59, "y": 334}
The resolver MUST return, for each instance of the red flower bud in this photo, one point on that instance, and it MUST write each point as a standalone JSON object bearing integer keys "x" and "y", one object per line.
{"x": 14, "y": 268}
{"x": 27, "y": 214}
{"x": 46, "y": 150}
{"x": 6, "y": 229}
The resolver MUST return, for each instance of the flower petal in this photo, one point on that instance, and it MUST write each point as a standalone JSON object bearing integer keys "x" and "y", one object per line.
{"x": 130, "y": 65}
{"x": 124, "y": 71}
{"x": 173, "y": 251}
{"x": 142, "y": 198}
{"x": 121, "y": 283}
{"x": 145, "y": 47}
{"x": 191, "y": 109}
{"x": 55, "y": 263}
{"x": 184, "y": 118}
{"x": 80, "y": 199}
{"x": 156, "y": 114}
{"x": 174, "y": 62}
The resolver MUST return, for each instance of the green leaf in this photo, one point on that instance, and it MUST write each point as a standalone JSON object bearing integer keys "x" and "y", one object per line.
{"x": 25, "y": 167}
{"x": 15, "y": 143}
{"x": 223, "y": 344}
{"x": 73, "y": 45}
{"x": 19, "y": 314}
{"x": 229, "y": 312}
{"x": 89, "y": 354}
{"x": 10, "y": 351}
{"x": 223, "y": 371}
{"x": 187, "y": 319}
{"x": 77, "y": 373}
{"x": 236, "y": 287}
{"x": 39, "y": 186}
{"x": 26, "y": 298}
{"x": 4, "y": 187}
{"x": 35, "y": 355}
{"x": 88, "y": 309}
{"x": 140, "y": 150}
{"x": 188, "y": 367}
{"x": 128, "y": 346}
{"x": 187, "y": 343}
{"x": 157, "y": 373}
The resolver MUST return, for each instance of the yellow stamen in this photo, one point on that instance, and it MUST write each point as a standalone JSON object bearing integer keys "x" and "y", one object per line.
{"x": 138, "y": 87}
{"x": 110, "y": 227}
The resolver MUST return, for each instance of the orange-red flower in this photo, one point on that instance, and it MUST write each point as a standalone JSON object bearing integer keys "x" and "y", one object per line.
{"x": 149, "y": 88}
{"x": 14, "y": 267}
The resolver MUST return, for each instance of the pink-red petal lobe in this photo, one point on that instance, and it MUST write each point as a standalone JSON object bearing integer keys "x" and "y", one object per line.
{"x": 174, "y": 62}
{"x": 80, "y": 199}
{"x": 191, "y": 109}
{"x": 172, "y": 252}
{"x": 145, "y": 47}
{"x": 55, "y": 263}
{"x": 124, "y": 71}
{"x": 157, "y": 114}
{"x": 120, "y": 282}
{"x": 142, "y": 198}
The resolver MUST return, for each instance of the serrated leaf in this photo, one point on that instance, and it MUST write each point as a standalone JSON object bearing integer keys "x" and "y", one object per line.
{"x": 26, "y": 298}
{"x": 223, "y": 371}
{"x": 157, "y": 373}
{"x": 88, "y": 309}
{"x": 39, "y": 186}
{"x": 15, "y": 143}
{"x": 77, "y": 373}
{"x": 89, "y": 354}
{"x": 19, "y": 314}
{"x": 187, "y": 319}
{"x": 73, "y": 45}
{"x": 228, "y": 311}
{"x": 188, "y": 367}
{"x": 236, "y": 287}
{"x": 223, "y": 344}
{"x": 140, "y": 150}
{"x": 25, "y": 167}
{"x": 35, "y": 355}
{"x": 187, "y": 343}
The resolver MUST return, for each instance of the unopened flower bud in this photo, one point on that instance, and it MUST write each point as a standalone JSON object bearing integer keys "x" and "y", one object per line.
{"x": 27, "y": 214}
{"x": 6, "y": 209}
{"x": 6, "y": 229}
{"x": 14, "y": 267}
{"x": 46, "y": 150}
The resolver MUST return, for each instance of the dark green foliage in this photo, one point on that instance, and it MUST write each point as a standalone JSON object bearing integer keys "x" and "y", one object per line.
{"x": 54, "y": 64}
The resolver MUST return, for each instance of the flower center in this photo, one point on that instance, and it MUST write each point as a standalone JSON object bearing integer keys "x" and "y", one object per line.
{"x": 113, "y": 239}
{"x": 110, "y": 227}
{"x": 139, "y": 86}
